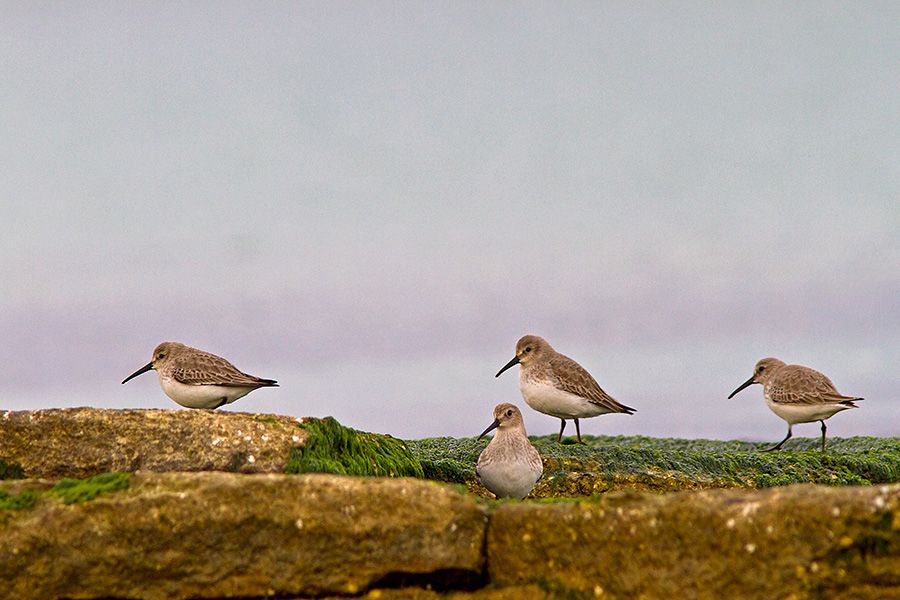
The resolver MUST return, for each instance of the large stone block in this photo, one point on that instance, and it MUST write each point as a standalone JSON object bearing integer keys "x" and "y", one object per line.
{"x": 225, "y": 535}
{"x": 798, "y": 541}
{"x": 78, "y": 442}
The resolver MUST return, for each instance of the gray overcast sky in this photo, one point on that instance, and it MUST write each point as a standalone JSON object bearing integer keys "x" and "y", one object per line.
{"x": 371, "y": 202}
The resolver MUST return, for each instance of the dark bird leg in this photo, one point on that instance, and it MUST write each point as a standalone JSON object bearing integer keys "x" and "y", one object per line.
{"x": 562, "y": 426}
{"x": 781, "y": 443}
{"x": 578, "y": 431}
{"x": 823, "y": 435}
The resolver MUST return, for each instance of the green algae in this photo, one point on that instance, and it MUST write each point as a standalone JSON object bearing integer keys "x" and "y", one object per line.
{"x": 23, "y": 500}
{"x": 665, "y": 464}
{"x": 332, "y": 448}
{"x": 68, "y": 490}
{"x": 11, "y": 470}
{"x": 84, "y": 490}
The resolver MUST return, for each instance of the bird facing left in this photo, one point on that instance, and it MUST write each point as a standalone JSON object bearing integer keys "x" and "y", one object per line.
{"x": 197, "y": 379}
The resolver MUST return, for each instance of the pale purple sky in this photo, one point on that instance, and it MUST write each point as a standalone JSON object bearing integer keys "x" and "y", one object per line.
{"x": 371, "y": 202}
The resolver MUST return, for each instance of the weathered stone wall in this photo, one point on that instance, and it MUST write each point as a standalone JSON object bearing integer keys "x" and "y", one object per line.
{"x": 253, "y": 531}
{"x": 226, "y": 535}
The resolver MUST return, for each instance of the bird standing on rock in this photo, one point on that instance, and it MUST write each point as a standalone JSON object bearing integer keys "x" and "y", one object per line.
{"x": 509, "y": 466}
{"x": 558, "y": 386}
{"x": 797, "y": 394}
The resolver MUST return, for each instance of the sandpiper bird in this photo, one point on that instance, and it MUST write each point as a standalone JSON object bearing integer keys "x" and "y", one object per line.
{"x": 797, "y": 394}
{"x": 197, "y": 379}
{"x": 558, "y": 386}
{"x": 509, "y": 466}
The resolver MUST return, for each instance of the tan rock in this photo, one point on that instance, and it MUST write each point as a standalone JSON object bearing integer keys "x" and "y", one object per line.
{"x": 78, "y": 442}
{"x": 224, "y": 535}
{"x": 798, "y": 541}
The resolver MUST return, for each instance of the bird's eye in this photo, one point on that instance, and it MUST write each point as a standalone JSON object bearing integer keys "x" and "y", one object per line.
{"x": 527, "y": 348}
{"x": 509, "y": 413}
{"x": 761, "y": 369}
{"x": 160, "y": 356}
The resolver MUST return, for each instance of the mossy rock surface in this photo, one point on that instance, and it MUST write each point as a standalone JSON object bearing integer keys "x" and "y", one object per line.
{"x": 82, "y": 442}
{"x": 605, "y": 463}
{"x": 25, "y": 494}
{"x": 71, "y": 491}
{"x": 332, "y": 448}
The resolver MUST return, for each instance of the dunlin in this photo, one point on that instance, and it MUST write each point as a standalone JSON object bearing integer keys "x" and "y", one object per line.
{"x": 558, "y": 386}
{"x": 197, "y": 379}
{"x": 797, "y": 394}
{"x": 509, "y": 466}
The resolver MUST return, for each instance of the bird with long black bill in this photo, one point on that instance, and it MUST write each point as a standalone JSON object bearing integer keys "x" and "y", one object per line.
{"x": 797, "y": 394}
{"x": 558, "y": 386}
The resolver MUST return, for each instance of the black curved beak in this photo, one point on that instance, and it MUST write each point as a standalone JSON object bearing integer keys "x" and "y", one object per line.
{"x": 142, "y": 370}
{"x": 742, "y": 386}
{"x": 511, "y": 363}
{"x": 493, "y": 426}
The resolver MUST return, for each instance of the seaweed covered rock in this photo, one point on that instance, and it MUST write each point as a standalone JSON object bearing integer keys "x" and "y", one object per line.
{"x": 332, "y": 448}
{"x": 225, "y": 535}
{"x": 791, "y": 542}
{"x": 79, "y": 442}
{"x": 608, "y": 463}
{"x": 83, "y": 441}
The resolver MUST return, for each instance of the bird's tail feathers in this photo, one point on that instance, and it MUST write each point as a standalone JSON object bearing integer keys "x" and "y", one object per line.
{"x": 849, "y": 402}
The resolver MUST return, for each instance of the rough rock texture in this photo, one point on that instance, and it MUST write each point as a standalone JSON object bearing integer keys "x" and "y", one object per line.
{"x": 800, "y": 541}
{"x": 224, "y": 535}
{"x": 145, "y": 535}
{"x": 78, "y": 442}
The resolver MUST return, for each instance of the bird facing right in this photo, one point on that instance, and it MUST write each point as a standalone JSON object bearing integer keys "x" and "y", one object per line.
{"x": 509, "y": 466}
{"x": 797, "y": 394}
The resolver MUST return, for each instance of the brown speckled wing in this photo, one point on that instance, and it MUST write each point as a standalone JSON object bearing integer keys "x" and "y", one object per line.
{"x": 795, "y": 384}
{"x": 203, "y": 368}
{"x": 573, "y": 378}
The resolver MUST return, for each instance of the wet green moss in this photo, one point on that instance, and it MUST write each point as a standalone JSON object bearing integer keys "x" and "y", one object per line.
{"x": 84, "y": 490}
{"x": 332, "y": 448}
{"x": 23, "y": 500}
{"x": 663, "y": 464}
{"x": 68, "y": 490}
{"x": 446, "y": 458}
{"x": 11, "y": 470}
